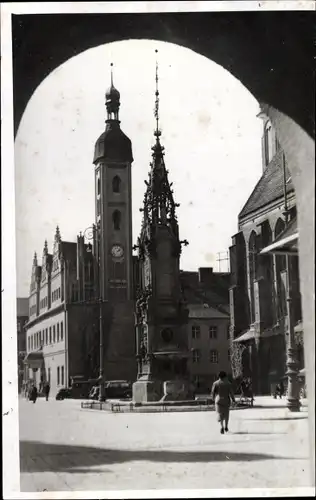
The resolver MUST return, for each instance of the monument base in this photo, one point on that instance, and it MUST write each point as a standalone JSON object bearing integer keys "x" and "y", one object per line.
{"x": 145, "y": 391}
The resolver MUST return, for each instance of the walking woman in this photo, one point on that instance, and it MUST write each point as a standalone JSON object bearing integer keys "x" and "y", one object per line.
{"x": 222, "y": 394}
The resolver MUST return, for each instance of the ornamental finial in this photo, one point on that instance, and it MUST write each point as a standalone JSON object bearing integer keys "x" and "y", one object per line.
{"x": 157, "y": 132}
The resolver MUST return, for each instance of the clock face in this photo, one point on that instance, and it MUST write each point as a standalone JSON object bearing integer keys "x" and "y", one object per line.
{"x": 117, "y": 251}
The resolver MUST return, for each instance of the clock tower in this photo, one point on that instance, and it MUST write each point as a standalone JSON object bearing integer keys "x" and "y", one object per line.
{"x": 113, "y": 241}
{"x": 113, "y": 204}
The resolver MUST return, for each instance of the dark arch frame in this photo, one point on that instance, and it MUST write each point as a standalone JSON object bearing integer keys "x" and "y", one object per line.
{"x": 264, "y": 50}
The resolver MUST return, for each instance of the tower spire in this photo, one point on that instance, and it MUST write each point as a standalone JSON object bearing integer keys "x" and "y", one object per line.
{"x": 112, "y": 100}
{"x": 112, "y": 75}
{"x": 157, "y": 132}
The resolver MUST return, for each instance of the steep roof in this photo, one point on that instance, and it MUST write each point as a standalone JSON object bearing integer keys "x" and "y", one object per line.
{"x": 270, "y": 186}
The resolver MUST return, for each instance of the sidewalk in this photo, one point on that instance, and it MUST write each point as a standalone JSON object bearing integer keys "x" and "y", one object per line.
{"x": 66, "y": 448}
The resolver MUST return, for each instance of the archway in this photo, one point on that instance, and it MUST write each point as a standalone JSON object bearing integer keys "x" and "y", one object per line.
{"x": 270, "y": 53}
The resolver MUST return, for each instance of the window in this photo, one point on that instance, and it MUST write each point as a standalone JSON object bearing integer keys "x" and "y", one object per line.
{"x": 62, "y": 376}
{"x": 196, "y": 331}
{"x": 213, "y": 332}
{"x": 54, "y": 334}
{"x": 116, "y": 220}
{"x": 50, "y": 334}
{"x": 46, "y": 336}
{"x": 58, "y": 375}
{"x": 59, "y": 292}
{"x": 32, "y": 342}
{"x": 116, "y": 184}
{"x": 61, "y": 331}
{"x": 98, "y": 186}
{"x": 196, "y": 355}
{"x": 28, "y": 344}
{"x": 57, "y": 332}
{"x": 48, "y": 376}
{"x": 213, "y": 356}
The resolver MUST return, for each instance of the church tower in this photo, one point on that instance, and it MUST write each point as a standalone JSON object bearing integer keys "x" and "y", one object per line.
{"x": 113, "y": 204}
{"x": 113, "y": 240}
{"x": 161, "y": 314}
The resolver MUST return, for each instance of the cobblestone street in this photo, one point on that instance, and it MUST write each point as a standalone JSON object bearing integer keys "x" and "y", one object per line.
{"x": 63, "y": 447}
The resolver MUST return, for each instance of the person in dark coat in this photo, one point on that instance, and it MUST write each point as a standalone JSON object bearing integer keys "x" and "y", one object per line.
{"x": 33, "y": 394}
{"x": 46, "y": 390}
{"x": 222, "y": 394}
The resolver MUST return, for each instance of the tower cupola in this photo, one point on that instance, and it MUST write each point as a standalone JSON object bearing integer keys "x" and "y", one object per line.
{"x": 113, "y": 144}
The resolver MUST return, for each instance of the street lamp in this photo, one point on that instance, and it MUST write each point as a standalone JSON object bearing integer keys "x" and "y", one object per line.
{"x": 89, "y": 234}
{"x": 293, "y": 401}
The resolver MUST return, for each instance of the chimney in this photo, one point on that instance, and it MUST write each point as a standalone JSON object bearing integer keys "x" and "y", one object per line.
{"x": 205, "y": 275}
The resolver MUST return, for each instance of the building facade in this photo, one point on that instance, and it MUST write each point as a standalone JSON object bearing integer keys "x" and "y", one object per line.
{"x": 207, "y": 295}
{"x": 258, "y": 305}
{"x": 22, "y": 310}
{"x": 62, "y": 331}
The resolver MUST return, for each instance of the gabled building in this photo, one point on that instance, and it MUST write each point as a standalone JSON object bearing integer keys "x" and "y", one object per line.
{"x": 258, "y": 307}
{"x": 62, "y": 329}
{"x": 22, "y": 311}
{"x": 207, "y": 296}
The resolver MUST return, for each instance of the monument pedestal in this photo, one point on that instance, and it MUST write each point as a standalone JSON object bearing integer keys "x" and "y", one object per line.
{"x": 145, "y": 391}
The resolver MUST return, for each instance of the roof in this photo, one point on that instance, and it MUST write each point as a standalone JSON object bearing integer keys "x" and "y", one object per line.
{"x": 113, "y": 144}
{"x": 214, "y": 293}
{"x": 248, "y": 335}
{"x": 205, "y": 312}
{"x": 285, "y": 242}
{"x": 270, "y": 186}
{"x": 22, "y": 306}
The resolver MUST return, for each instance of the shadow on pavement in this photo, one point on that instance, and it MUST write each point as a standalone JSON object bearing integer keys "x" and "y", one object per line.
{"x": 301, "y": 417}
{"x": 257, "y": 433}
{"x": 41, "y": 457}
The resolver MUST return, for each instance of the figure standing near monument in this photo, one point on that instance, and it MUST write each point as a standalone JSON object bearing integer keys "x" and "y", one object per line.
{"x": 222, "y": 394}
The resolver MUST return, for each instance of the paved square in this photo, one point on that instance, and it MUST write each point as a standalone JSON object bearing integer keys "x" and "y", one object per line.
{"x": 63, "y": 447}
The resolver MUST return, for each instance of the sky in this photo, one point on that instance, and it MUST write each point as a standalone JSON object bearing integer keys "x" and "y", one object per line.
{"x": 210, "y": 131}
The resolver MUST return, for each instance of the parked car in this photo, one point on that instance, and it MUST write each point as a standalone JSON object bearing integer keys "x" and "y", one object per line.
{"x": 118, "y": 389}
{"x": 63, "y": 394}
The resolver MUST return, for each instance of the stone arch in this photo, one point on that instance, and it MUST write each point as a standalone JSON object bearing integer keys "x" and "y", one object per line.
{"x": 257, "y": 49}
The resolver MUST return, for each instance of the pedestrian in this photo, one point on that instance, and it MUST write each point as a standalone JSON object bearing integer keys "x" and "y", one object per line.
{"x": 34, "y": 394}
{"x": 222, "y": 394}
{"x": 281, "y": 386}
{"x": 46, "y": 390}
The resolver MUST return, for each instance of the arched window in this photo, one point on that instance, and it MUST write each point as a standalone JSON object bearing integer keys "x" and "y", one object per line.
{"x": 252, "y": 250}
{"x": 266, "y": 262}
{"x": 116, "y": 184}
{"x": 116, "y": 217}
{"x": 268, "y": 142}
{"x": 98, "y": 186}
